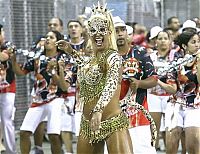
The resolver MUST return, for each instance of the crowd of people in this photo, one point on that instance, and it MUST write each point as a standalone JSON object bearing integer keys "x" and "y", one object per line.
{"x": 115, "y": 86}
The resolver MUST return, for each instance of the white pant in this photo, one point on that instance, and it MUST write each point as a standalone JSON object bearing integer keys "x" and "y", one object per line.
{"x": 35, "y": 115}
{"x": 67, "y": 116}
{"x": 6, "y": 110}
{"x": 77, "y": 122}
{"x": 141, "y": 140}
{"x": 182, "y": 116}
{"x": 157, "y": 103}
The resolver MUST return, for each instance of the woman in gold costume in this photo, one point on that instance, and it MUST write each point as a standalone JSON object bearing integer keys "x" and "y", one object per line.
{"x": 99, "y": 81}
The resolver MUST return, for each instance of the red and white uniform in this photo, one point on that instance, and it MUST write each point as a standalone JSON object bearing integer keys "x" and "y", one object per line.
{"x": 47, "y": 97}
{"x": 138, "y": 65}
{"x": 7, "y": 109}
{"x": 158, "y": 97}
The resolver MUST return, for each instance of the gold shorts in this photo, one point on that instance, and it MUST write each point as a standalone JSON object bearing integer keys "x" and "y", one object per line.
{"x": 107, "y": 127}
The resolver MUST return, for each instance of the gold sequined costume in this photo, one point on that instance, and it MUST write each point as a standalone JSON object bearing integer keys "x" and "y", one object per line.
{"x": 99, "y": 81}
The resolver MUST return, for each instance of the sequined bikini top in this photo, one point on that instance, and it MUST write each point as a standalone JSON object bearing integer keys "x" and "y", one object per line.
{"x": 92, "y": 78}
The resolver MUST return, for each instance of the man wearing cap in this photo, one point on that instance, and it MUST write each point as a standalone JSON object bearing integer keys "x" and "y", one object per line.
{"x": 143, "y": 78}
{"x": 189, "y": 26}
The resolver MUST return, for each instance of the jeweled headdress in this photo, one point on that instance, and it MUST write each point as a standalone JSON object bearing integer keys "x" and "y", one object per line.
{"x": 101, "y": 22}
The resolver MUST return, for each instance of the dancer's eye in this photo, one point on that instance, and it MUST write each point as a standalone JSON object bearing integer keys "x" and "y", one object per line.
{"x": 102, "y": 29}
{"x": 92, "y": 30}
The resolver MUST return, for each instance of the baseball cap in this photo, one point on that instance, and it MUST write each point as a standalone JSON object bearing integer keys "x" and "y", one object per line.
{"x": 154, "y": 31}
{"x": 189, "y": 24}
{"x": 118, "y": 22}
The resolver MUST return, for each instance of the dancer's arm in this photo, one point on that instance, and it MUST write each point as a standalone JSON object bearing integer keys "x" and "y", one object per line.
{"x": 112, "y": 81}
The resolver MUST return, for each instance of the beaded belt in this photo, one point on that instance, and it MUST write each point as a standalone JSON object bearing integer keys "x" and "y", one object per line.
{"x": 107, "y": 127}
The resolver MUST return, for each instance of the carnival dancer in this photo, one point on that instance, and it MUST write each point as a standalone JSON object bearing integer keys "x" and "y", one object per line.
{"x": 99, "y": 79}
{"x": 184, "y": 108}
{"x": 50, "y": 83}
{"x": 139, "y": 69}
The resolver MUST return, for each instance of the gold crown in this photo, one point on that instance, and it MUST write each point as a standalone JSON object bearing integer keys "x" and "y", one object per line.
{"x": 99, "y": 9}
{"x": 99, "y": 18}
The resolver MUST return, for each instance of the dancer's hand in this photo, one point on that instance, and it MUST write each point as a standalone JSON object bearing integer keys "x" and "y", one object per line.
{"x": 65, "y": 46}
{"x": 95, "y": 121}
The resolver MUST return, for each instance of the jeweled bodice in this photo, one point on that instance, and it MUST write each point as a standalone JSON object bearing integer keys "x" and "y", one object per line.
{"x": 98, "y": 78}
{"x": 91, "y": 79}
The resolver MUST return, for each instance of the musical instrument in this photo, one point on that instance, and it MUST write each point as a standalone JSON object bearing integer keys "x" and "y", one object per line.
{"x": 174, "y": 65}
{"x": 34, "y": 53}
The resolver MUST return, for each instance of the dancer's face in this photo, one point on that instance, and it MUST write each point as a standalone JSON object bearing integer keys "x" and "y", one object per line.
{"x": 100, "y": 42}
{"x": 99, "y": 33}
